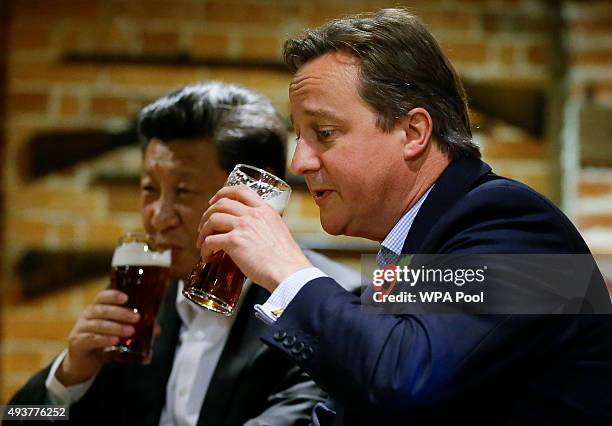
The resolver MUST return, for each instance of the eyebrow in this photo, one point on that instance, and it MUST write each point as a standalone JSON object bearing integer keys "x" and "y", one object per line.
{"x": 319, "y": 113}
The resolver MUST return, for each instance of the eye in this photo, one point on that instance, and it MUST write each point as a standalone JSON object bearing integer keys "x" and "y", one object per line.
{"x": 183, "y": 191}
{"x": 324, "y": 135}
{"x": 148, "y": 188}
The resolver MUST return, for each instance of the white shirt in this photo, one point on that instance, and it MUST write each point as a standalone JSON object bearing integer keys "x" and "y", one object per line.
{"x": 202, "y": 337}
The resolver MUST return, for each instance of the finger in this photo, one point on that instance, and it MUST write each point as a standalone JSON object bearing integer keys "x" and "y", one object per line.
{"x": 111, "y": 297}
{"x": 90, "y": 341}
{"x": 109, "y": 328}
{"x": 156, "y": 330}
{"x": 240, "y": 193}
{"x": 111, "y": 313}
{"x": 214, "y": 243}
{"x": 224, "y": 205}
{"x": 218, "y": 223}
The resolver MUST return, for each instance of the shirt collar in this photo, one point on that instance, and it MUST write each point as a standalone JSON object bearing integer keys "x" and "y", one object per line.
{"x": 394, "y": 241}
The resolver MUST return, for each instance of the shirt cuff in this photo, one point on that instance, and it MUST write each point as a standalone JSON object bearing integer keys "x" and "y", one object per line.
{"x": 284, "y": 294}
{"x": 57, "y": 393}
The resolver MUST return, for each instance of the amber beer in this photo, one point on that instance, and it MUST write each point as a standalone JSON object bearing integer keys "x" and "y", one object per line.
{"x": 141, "y": 272}
{"x": 217, "y": 285}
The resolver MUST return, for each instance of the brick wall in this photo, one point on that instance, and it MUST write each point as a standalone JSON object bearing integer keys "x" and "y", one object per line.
{"x": 589, "y": 188}
{"x": 488, "y": 40}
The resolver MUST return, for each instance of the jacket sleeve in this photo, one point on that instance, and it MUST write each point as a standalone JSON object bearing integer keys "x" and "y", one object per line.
{"x": 292, "y": 402}
{"x": 34, "y": 392}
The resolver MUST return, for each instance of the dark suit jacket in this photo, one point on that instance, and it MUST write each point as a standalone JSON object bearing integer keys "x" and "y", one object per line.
{"x": 250, "y": 380}
{"x": 459, "y": 368}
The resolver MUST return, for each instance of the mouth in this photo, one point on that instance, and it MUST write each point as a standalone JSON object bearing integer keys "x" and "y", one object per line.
{"x": 321, "y": 195}
{"x": 169, "y": 246}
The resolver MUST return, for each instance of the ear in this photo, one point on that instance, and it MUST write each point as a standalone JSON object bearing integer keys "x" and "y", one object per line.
{"x": 417, "y": 127}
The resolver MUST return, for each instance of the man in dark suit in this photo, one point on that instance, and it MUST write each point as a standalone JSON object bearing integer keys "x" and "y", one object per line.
{"x": 385, "y": 146}
{"x": 206, "y": 368}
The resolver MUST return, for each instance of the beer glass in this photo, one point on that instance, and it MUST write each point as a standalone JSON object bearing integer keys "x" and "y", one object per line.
{"x": 217, "y": 284}
{"x": 141, "y": 271}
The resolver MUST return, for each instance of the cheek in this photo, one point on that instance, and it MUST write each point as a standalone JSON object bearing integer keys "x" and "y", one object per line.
{"x": 146, "y": 215}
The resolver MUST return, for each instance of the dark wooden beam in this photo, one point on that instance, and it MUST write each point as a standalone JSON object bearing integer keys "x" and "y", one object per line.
{"x": 53, "y": 151}
{"x": 41, "y": 272}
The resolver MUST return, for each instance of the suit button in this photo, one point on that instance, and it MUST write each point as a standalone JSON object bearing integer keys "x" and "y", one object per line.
{"x": 299, "y": 347}
{"x": 289, "y": 341}
{"x": 307, "y": 353}
{"x": 280, "y": 335}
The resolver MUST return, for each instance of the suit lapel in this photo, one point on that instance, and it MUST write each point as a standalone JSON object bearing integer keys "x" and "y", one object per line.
{"x": 241, "y": 346}
{"x": 453, "y": 184}
{"x": 149, "y": 382}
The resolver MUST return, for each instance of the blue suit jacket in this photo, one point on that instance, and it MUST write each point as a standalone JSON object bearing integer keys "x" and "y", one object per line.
{"x": 459, "y": 368}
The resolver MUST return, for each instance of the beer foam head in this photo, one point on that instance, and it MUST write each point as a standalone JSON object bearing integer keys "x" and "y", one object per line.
{"x": 278, "y": 201}
{"x": 140, "y": 254}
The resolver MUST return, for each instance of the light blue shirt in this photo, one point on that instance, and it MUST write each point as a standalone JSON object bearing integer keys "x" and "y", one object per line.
{"x": 389, "y": 252}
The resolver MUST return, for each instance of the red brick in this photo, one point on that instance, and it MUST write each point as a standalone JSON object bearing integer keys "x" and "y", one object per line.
{"x": 124, "y": 199}
{"x": 33, "y": 328}
{"x": 165, "y": 77}
{"x": 66, "y": 234}
{"x": 507, "y": 54}
{"x": 261, "y": 47}
{"x": 28, "y": 232}
{"x": 20, "y": 361}
{"x": 539, "y": 182}
{"x": 601, "y": 24}
{"x": 57, "y": 9}
{"x": 109, "y": 106}
{"x": 603, "y": 88}
{"x": 103, "y": 234}
{"x": 30, "y": 37}
{"x": 209, "y": 45}
{"x": 441, "y": 22}
{"x": 495, "y": 149}
{"x": 466, "y": 52}
{"x": 48, "y": 199}
{"x": 538, "y": 55}
{"x": 28, "y": 102}
{"x": 116, "y": 39}
{"x": 160, "y": 41}
{"x": 242, "y": 12}
{"x": 145, "y": 11}
{"x": 598, "y": 56}
{"x": 595, "y": 220}
{"x": 69, "y": 105}
{"x": 593, "y": 189}
{"x": 325, "y": 11}
{"x": 57, "y": 73}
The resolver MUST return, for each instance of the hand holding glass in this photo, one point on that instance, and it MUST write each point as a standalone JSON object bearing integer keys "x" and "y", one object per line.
{"x": 217, "y": 285}
{"x": 141, "y": 272}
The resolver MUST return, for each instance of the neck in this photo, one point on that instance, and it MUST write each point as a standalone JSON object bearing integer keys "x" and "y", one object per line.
{"x": 425, "y": 172}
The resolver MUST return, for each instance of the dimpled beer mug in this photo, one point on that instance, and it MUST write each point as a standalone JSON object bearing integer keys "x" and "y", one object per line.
{"x": 141, "y": 271}
{"x": 217, "y": 284}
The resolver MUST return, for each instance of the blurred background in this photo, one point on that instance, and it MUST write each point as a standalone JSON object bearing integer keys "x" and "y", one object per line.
{"x": 74, "y": 73}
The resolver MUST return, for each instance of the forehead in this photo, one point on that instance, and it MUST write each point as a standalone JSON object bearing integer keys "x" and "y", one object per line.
{"x": 182, "y": 158}
{"x": 332, "y": 78}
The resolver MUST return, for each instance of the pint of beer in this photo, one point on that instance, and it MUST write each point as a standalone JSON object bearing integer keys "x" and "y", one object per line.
{"x": 141, "y": 272}
{"x": 217, "y": 284}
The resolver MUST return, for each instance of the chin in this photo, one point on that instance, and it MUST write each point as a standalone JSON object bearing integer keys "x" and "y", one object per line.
{"x": 332, "y": 227}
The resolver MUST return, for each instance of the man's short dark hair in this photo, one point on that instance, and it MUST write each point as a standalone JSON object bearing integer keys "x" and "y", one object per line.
{"x": 243, "y": 125}
{"x": 402, "y": 67}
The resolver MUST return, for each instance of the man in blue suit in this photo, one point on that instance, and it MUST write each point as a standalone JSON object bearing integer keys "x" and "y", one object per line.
{"x": 385, "y": 146}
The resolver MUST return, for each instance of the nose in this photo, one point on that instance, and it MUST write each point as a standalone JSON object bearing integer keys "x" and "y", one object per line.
{"x": 305, "y": 159}
{"x": 164, "y": 215}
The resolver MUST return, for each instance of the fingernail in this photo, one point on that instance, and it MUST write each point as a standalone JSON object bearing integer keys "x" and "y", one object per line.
{"x": 122, "y": 298}
{"x": 128, "y": 330}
